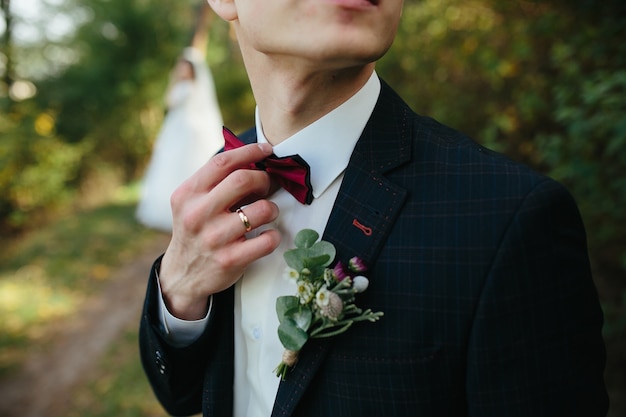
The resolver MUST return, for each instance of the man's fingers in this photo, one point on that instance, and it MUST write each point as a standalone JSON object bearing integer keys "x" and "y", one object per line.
{"x": 239, "y": 255}
{"x": 254, "y": 215}
{"x": 222, "y": 164}
{"x": 239, "y": 186}
{"x": 230, "y": 228}
{"x": 224, "y": 227}
{"x": 194, "y": 207}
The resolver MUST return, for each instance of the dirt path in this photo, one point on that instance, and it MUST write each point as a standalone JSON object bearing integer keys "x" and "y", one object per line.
{"x": 42, "y": 387}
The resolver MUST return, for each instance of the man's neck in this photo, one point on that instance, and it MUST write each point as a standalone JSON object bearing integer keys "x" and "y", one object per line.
{"x": 289, "y": 100}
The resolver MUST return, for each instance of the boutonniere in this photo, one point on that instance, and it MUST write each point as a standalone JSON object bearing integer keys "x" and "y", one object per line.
{"x": 324, "y": 303}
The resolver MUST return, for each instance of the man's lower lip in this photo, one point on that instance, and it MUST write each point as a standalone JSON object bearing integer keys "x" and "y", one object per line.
{"x": 355, "y": 4}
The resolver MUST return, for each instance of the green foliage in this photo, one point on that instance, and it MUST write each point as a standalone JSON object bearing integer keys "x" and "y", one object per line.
{"x": 45, "y": 275}
{"x": 589, "y": 155}
{"x": 95, "y": 115}
{"x": 121, "y": 390}
{"x": 310, "y": 253}
{"x": 585, "y": 146}
{"x": 231, "y": 81}
{"x": 294, "y": 320}
{"x": 35, "y": 165}
{"x": 112, "y": 94}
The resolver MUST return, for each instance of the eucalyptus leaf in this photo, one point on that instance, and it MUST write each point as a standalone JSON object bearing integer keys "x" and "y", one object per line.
{"x": 284, "y": 304}
{"x": 294, "y": 259}
{"x": 323, "y": 248}
{"x": 291, "y": 336}
{"x": 313, "y": 261}
{"x": 301, "y": 315}
{"x": 305, "y": 238}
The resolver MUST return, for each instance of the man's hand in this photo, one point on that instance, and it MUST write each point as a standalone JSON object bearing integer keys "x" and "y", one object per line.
{"x": 209, "y": 251}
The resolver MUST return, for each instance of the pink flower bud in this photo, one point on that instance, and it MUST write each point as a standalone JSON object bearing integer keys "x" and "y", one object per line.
{"x": 357, "y": 265}
{"x": 340, "y": 271}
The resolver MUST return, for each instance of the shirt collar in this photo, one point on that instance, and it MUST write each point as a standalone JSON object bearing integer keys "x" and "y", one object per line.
{"x": 327, "y": 143}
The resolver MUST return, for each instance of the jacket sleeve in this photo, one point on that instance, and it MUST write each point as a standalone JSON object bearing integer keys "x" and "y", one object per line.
{"x": 536, "y": 348}
{"x": 182, "y": 378}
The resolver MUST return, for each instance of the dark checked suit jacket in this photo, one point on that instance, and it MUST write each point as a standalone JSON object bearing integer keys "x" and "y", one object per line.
{"x": 480, "y": 266}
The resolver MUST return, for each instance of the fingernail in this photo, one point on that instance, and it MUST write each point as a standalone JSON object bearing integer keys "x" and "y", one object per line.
{"x": 265, "y": 147}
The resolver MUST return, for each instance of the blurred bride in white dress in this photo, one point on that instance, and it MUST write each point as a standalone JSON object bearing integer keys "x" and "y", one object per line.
{"x": 191, "y": 133}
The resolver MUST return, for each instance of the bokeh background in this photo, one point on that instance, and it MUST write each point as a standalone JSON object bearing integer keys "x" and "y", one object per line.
{"x": 81, "y": 101}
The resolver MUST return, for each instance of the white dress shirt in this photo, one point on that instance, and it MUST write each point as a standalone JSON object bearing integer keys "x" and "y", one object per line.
{"x": 326, "y": 145}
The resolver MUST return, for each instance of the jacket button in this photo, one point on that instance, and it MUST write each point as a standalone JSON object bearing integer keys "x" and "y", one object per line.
{"x": 160, "y": 363}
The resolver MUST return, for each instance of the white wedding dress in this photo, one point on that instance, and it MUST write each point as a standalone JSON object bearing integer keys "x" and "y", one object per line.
{"x": 191, "y": 133}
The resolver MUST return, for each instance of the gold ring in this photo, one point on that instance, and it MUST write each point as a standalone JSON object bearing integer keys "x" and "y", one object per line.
{"x": 244, "y": 219}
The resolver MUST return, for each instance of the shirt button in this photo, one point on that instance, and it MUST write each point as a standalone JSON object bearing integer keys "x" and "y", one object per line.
{"x": 256, "y": 333}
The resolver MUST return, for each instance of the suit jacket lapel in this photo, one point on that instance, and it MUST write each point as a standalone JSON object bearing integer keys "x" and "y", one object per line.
{"x": 362, "y": 217}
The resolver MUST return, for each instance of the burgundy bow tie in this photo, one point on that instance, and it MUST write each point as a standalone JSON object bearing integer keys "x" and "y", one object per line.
{"x": 291, "y": 172}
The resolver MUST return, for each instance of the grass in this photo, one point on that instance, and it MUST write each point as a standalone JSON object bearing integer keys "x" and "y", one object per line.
{"x": 44, "y": 277}
{"x": 45, "y": 274}
{"x": 122, "y": 382}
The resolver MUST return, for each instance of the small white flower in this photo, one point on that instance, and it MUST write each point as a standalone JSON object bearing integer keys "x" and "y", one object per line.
{"x": 322, "y": 298}
{"x": 328, "y": 276}
{"x": 360, "y": 283}
{"x": 305, "y": 291}
{"x": 291, "y": 274}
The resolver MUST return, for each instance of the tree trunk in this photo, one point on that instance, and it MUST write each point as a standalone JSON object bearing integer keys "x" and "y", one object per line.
{"x": 200, "y": 37}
